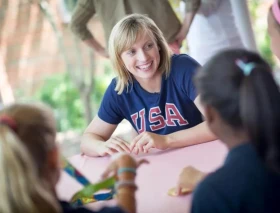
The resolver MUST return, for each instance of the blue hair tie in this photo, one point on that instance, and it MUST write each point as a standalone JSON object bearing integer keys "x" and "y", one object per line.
{"x": 245, "y": 67}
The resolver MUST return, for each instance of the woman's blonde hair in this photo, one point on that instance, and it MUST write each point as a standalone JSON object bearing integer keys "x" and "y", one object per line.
{"x": 123, "y": 36}
{"x": 24, "y": 149}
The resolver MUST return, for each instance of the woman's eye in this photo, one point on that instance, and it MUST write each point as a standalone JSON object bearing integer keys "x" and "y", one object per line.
{"x": 131, "y": 52}
{"x": 149, "y": 46}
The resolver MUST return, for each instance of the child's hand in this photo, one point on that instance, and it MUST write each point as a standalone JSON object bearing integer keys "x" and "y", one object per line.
{"x": 114, "y": 145}
{"x": 147, "y": 140}
{"x": 122, "y": 161}
{"x": 189, "y": 178}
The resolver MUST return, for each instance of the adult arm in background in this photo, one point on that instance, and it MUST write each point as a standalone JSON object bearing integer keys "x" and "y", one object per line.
{"x": 192, "y": 7}
{"x": 83, "y": 12}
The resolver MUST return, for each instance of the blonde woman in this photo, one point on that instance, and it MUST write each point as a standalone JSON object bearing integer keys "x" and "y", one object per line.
{"x": 29, "y": 165}
{"x": 153, "y": 91}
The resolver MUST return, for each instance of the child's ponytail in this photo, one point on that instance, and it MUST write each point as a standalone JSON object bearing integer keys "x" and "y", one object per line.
{"x": 239, "y": 84}
{"x": 260, "y": 113}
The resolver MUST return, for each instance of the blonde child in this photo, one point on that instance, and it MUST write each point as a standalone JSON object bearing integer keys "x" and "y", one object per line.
{"x": 30, "y": 167}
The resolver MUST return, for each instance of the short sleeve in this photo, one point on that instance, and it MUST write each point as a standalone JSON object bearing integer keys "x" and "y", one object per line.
{"x": 189, "y": 67}
{"x": 206, "y": 199}
{"x": 188, "y": 84}
{"x": 109, "y": 110}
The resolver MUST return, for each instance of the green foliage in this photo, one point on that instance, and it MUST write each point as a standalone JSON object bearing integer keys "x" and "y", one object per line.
{"x": 259, "y": 23}
{"x": 101, "y": 82}
{"x": 59, "y": 92}
{"x": 264, "y": 46}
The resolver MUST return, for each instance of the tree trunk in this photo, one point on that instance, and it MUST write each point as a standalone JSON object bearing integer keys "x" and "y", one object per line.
{"x": 80, "y": 76}
{"x": 7, "y": 96}
{"x": 86, "y": 81}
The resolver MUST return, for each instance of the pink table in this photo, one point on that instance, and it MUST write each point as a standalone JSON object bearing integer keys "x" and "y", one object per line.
{"x": 154, "y": 179}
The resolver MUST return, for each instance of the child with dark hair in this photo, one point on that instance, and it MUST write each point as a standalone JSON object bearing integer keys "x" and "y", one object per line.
{"x": 244, "y": 113}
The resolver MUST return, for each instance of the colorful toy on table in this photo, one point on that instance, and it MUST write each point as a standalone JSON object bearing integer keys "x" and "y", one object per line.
{"x": 89, "y": 193}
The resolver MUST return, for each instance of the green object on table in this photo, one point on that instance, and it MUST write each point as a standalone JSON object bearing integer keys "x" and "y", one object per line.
{"x": 89, "y": 190}
{"x": 87, "y": 194}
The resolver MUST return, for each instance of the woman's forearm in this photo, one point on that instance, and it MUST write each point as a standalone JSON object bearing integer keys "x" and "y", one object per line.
{"x": 91, "y": 144}
{"x": 195, "y": 135}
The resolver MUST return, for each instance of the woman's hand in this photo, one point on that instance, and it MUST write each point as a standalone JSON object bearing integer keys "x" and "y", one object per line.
{"x": 147, "y": 140}
{"x": 189, "y": 178}
{"x": 112, "y": 146}
{"x": 122, "y": 161}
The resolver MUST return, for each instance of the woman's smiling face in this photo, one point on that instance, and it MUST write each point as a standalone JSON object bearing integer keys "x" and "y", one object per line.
{"x": 143, "y": 58}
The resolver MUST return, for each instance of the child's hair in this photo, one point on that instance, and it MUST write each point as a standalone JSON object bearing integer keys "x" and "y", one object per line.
{"x": 123, "y": 36}
{"x": 246, "y": 98}
{"x": 27, "y": 133}
{"x": 275, "y": 13}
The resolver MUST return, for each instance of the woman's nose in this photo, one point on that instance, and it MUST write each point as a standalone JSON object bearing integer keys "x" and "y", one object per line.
{"x": 142, "y": 55}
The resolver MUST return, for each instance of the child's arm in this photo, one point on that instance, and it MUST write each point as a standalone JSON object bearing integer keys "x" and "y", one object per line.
{"x": 189, "y": 179}
{"x": 124, "y": 168}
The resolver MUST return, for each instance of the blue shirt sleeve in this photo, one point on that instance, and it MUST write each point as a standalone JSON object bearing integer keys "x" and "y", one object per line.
{"x": 206, "y": 199}
{"x": 109, "y": 109}
{"x": 188, "y": 83}
{"x": 185, "y": 68}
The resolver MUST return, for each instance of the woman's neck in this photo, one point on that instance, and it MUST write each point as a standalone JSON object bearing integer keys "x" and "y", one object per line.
{"x": 152, "y": 85}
